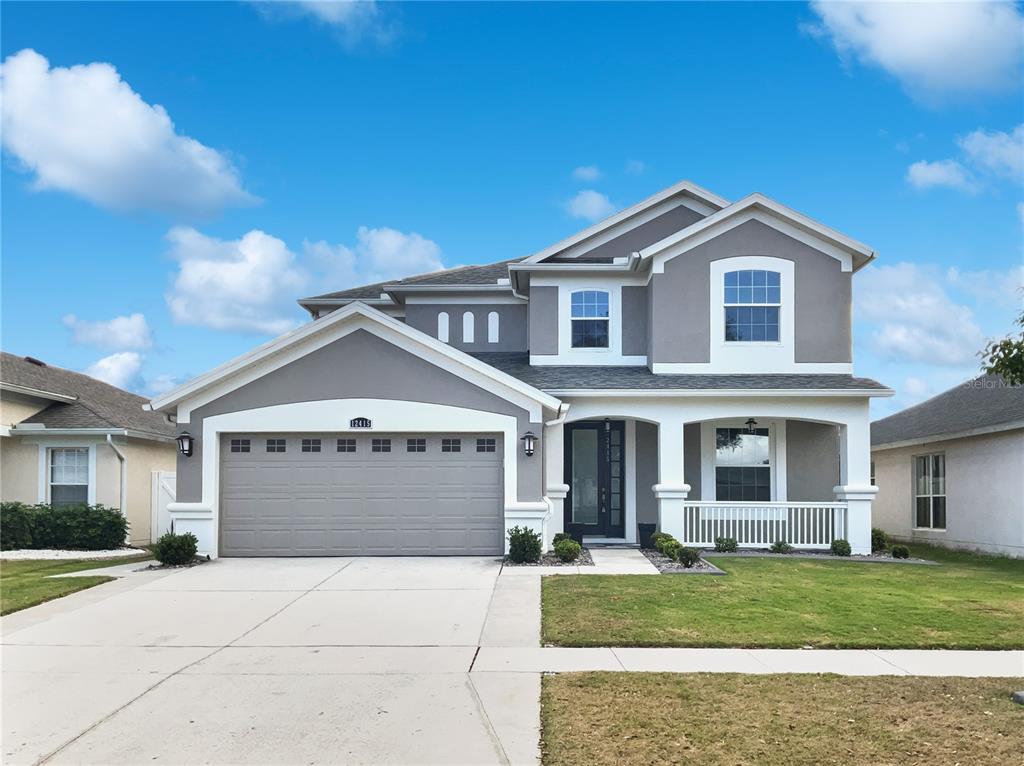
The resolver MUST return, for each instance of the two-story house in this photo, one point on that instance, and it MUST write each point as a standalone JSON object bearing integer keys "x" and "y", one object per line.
{"x": 685, "y": 363}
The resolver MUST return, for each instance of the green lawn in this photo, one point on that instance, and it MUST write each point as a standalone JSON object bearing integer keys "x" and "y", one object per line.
{"x": 968, "y": 602}
{"x": 24, "y": 583}
{"x": 636, "y": 719}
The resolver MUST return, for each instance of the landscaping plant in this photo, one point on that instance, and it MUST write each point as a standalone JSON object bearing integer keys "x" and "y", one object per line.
{"x": 670, "y": 548}
{"x": 65, "y": 527}
{"x": 568, "y": 550}
{"x": 174, "y": 550}
{"x": 781, "y": 546}
{"x": 726, "y": 544}
{"x": 559, "y": 537}
{"x": 524, "y": 546}
{"x": 879, "y": 540}
{"x": 900, "y": 552}
{"x": 840, "y": 547}
{"x": 688, "y": 557}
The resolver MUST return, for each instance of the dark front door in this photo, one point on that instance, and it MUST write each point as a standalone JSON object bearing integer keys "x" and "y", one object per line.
{"x": 594, "y": 471}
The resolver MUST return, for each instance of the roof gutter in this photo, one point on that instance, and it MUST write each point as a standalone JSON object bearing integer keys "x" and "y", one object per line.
{"x": 14, "y": 388}
{"x": 32, "y": 429}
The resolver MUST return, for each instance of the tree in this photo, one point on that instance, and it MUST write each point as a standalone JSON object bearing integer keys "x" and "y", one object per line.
{"x": 1006, "y": 357}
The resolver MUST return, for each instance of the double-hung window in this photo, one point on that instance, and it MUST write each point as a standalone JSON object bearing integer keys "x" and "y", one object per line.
{"x": 930, "y": 491}
{"x": 743, "y": 469}
{"x": 589, "y": 319}
{"x": 753, "y": 298}
{"x": 69, "y": 475}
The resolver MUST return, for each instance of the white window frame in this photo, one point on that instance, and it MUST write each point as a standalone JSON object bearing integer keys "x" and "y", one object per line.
{"x": 468, "y": 327}
{"x": 776, "y": 455}
{"x": 607, "y": 320}
{"x": 493, "y": 326}
{"x": 442, "y": 326}
{"x": 931, "y": 495}
{"x": 45, "y": 448}
{"x": 726, "y": 305}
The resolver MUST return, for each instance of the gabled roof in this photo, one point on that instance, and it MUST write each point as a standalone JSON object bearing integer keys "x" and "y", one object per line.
{"x": 79, "y": 402}
{"x": 983, "y": 405}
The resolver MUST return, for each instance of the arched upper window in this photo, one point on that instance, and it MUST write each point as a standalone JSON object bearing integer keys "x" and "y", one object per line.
{"x": 442, "y": 326}
{"x": 467, "y": 327}
{"x": 752, "y": 301}
{"x": 589, "y": 318}
{"x": 492, "y": 327}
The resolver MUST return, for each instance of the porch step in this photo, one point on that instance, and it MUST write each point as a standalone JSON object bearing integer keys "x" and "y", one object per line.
{"x": 597, "y": 542}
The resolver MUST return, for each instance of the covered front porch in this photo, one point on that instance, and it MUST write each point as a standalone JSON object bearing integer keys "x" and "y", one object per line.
{"x": 757, "y": 469}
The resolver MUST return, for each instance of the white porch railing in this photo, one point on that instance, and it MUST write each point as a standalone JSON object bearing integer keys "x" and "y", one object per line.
{"x": 758, "y": 525}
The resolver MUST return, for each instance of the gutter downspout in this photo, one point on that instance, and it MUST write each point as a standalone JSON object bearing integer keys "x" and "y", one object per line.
{"x": 123, "y": 461}
{"x": 563, "y": 413}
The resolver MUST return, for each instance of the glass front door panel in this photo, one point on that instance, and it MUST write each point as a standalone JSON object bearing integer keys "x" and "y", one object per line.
{"x": 585, "y": 479}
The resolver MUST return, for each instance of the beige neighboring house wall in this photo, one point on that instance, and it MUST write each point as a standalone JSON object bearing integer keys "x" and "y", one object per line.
{"x": 19, "y": 471}
{"x": 984, "y": 492}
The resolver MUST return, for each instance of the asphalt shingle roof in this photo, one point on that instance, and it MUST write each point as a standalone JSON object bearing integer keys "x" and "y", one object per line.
{"x": 488, "y": 274}
{"x": 98, "y": 405}
{"x": 558, "y": 378}
{"x": 985, "y": 401}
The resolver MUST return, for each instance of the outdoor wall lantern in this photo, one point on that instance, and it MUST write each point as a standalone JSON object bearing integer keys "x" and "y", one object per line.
{"x": 529, "y": 440}
{"x": 750, "y": 424}
{"x": 185, "y": 443}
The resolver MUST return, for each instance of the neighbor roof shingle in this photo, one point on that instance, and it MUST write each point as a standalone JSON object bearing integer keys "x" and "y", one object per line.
{"x": 98, "y": 405}
{"x": 984, "y": 402}
{"x": 487, "y": 274}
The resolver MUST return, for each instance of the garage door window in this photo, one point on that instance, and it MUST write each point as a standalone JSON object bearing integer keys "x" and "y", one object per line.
{"x": 275, "y": 445}
{"x": 380, "y": 445}
{"x": 239, "y": 445}
{"x": 485, "y": 445}
{"x": 346, "y": 445}
{"x": 451, "y": 445}
{"x": 310, "y": 445}
{"x": 416, "y": 445}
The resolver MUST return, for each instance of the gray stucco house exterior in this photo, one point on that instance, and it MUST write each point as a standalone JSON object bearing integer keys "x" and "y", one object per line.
{"x": 685, "y": 363}
{"x": 950, "y": 471}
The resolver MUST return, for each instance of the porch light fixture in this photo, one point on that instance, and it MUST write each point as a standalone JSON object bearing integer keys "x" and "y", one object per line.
{"x": 750, "y": 424}
{"x": 185, "y": 442}
{"x": 529, "y": 440}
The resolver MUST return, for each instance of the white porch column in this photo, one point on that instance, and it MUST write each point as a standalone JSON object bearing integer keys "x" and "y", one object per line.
{"x": 671, "y": 489}
{"x": 855, "y": 486}
{"x": 555, "y": 488}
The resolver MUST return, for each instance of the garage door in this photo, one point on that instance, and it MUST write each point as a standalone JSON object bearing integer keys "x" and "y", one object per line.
{"x": 361, "y": 494}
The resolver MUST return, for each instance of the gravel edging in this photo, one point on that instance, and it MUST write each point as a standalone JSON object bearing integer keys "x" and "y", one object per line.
{"x": 874, "y": 558}
{"x": 549, "y": 559}
{"x": 193, "y": 563}
{"x": 57, "y": 554}
{"x": 665, "y": 565}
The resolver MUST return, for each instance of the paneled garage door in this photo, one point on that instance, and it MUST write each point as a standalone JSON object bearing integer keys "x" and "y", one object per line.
{"x": 361, "y": 494}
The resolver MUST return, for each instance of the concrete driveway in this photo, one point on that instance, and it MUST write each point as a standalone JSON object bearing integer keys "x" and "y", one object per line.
{"x": 281, "y": 661}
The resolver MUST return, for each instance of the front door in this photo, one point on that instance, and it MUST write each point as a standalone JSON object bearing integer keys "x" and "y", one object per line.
{"x": 594, "y": 471}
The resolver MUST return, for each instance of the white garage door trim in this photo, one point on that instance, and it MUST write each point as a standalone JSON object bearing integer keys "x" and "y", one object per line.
{"x": 391, "y": 415}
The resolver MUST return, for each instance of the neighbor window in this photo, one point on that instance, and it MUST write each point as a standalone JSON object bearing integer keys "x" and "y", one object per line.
{"x": 239, "y": 445}
{"x": 485, "y": 445}
{"x": 415, "y": 445}
{"x": 467, "y": 327}
{"x": 589, "y": 318}
{"x": 442, "y": 326}
{"x": 742, "y": 465}
{"x": 310, "y": 445}
{"x": 752, "y": 301}
{"x": 380, "y": 445}
{"x": 930, "y": 491}
{"x": 492, "y": 327}
{"x": 69, "y": 476}
{"x": 346, "y": 445}
{"x": 451, "y": 445}
{"x": 275, "y": 445}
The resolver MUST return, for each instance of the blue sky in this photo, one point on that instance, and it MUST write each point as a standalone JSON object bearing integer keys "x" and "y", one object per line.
{"x": 205, "y": 164}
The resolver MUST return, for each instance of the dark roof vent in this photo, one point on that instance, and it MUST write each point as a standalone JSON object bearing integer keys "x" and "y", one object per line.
{"x": 33, "y": 360}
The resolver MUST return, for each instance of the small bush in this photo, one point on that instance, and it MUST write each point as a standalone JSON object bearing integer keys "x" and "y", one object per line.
{"x": 64, "y": 527}
{"x": 664, "y": 540}
{"x": 671, "y": 548}
{"x": 657, "y": 537}
{"x": 175, "y": 549}
{"x": 559, "y": 537}
{"x": 726, "y": 544}
{"x": 523, "y": 546}
{"x": 840, "y": 547}
{"x": 568, "y": 550}
{"x": 688, "y": 557}
{"x": 15, "y": 526}
{"x": 900, "y": 552}
{"x": 879, "y": 540}
{"x": 781, "y": 546}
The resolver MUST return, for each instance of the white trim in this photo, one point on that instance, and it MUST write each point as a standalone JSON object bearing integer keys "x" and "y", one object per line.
{"x": 29, "y": 430}
{"x": 38, "y": 393}
{"x": 707, "y": 368}
{"x": 443, "y": 323}
{"x": 937, "y": 438}
{"x": 683, "y": 393}
{"x": 776, "y": 455}
{"x": 482, "y": 287}
{"x": 493, "y": 327}
{"x": 45, "y": 446}
{"x": 468, "y": 327}
{"x": 495, "y": 300}
{"x": 630, "y": 488}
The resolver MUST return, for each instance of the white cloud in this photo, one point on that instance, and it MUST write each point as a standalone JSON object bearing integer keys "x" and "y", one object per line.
{"x": 248, "y": 284}
{"x": 354, "y": 20}
{"x": 378, "y": 255}
{"x": 590, "y": 205}
{"x": 999, "y": 153}
{"x": 121, "y": 369}
{"x": 586, "y": 173}
{"x": 635, "y": 167}
{"x": 161, "y": 384}
{"x": 988, "y": 286}
{"x": 83, "y": 130}
{"x": 914, "y": 318}
{"x": 944, "y": 173}
{"x": 937, "y": 50}
{"x": 123, "y": 332}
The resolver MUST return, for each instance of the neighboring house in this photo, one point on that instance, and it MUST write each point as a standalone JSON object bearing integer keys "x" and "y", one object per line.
{"x": 950, "y": 471}
{"x": 68, "y": 438}
{"x": 684, "y": 363}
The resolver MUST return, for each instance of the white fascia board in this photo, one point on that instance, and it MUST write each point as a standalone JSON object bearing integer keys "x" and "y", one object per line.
{"x": 936, "y": 438}
{"x": 308, "y": 338}
{"x": 683, "y": 188}
{"x": 35, "y": 430}
{"x": 677, "y": 393}
{"x": 39, "y": 393}
{"x": 436, "y": 300}
{"x": 683, "y": 240}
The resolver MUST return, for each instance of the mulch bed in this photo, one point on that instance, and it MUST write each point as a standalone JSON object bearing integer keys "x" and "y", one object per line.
{"x": 666, "y": 565}
{"x": 193, "y": 563}
{"x": 549, "y": 559}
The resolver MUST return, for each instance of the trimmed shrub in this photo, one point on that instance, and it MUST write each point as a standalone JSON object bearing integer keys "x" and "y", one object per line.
{"x": 174, "y": 549}
{"x": 65, "y": 527}
{"x": 568, "y": 550}
{"x": 840, "y": 547}
{"x": 523, "y": 546}
{"x": 657, "y": 537}
{"x": 671, "y": 548}
{"x": 879, "y": 540}
{"x": 688, "y": 557}
{"x": 726, "y": 544}
{"x": 781, "y": 546}
{"x": 900, "y": 552}
{"x": 559, "y": 537}
{"x": 664, "y": 540}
